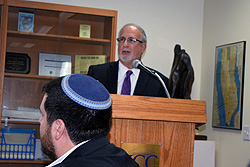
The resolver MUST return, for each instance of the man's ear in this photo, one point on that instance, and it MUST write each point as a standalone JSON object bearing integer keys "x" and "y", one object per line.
{"x": 144, "y": 46}
{"x": 58, "y": 129}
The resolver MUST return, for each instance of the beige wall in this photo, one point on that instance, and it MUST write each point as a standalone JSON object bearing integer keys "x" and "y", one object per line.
{"x": 166, "y": 22}
{"x": 225, "y": 21}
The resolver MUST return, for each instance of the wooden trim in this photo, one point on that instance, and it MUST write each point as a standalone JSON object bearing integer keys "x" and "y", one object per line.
{"x": 155, "y": 108}
{"x": 56, "y": 37}
{"x": 4, "y": 23}
{"x": 113, "y": 37}
{"x": 25, "y": 162}
{"x": 60, "y": 7}
{"x": 28, "y": 76}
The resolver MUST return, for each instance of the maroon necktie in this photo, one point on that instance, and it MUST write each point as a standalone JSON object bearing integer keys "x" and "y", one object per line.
{"x": 126, "y": 86}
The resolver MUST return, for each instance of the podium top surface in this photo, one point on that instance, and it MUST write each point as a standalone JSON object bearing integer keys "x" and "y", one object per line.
{"x": 158, "y": 109}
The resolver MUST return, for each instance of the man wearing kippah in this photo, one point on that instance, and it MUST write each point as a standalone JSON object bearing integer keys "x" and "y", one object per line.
{"x": 76, "y": 115}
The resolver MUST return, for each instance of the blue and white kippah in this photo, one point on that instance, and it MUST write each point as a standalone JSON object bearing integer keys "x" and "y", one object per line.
{"x": 86, "y": 91}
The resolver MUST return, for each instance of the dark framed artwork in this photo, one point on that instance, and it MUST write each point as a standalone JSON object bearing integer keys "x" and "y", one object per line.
{"x": 17, "y": 63}
{"x": 228, "y": 85}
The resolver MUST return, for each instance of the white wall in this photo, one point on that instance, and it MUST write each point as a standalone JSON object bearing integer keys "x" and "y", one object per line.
{"x": 166, "y": 22}
{"x": 225, "y": 21}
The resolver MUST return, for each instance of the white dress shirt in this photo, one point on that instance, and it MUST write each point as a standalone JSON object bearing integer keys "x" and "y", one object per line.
{"x": 121, "y": 76}
{"x": 60, "y": 159}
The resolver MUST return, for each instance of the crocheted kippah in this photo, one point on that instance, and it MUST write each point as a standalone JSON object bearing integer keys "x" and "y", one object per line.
{"x": 86, "y": 91}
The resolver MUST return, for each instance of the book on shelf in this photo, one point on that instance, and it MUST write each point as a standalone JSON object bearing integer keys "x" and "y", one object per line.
{"x": 82, "y": 62}
{"x": 85, "y": 31}
{"x": 25, "y": 22}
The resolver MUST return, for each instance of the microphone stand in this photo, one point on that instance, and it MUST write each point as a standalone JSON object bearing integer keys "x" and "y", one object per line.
{"x": 138, "y": 64}
{"x": 163, "y": 84}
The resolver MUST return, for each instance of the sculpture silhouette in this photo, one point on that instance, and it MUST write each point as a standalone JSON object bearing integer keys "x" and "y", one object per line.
{"x": 182, "y": 75}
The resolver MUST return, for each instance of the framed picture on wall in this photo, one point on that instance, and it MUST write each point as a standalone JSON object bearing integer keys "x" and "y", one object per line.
{"x": 228, "y": 85}
{"x": 54, "y": 64}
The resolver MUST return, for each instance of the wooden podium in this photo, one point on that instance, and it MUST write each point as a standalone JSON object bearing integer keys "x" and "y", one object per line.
{"x": 153, "y": 120}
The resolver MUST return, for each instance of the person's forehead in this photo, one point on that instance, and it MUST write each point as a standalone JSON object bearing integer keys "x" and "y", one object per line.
{"x": 131, "y": 30}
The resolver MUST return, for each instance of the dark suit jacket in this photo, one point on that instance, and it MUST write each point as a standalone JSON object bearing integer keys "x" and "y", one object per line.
{"x": 146, "y": 85}
{"x": 98, "y": 153}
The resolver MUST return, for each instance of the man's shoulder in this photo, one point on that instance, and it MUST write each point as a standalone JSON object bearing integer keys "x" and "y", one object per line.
{"x": 99, "y": 151}
{"x": 101, "y": 69}
{"x": 161, "y": 75}
{"x": 105, "y": 65}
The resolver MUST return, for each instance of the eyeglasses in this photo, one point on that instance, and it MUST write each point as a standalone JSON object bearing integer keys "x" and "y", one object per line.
{"x": 129, "y": 40}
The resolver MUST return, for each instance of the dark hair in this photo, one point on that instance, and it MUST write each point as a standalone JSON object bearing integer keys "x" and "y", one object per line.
{"x": 81, "y": 123}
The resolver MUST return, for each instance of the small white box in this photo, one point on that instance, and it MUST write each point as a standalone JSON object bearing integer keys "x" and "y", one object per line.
{"x": 246, "y": 131}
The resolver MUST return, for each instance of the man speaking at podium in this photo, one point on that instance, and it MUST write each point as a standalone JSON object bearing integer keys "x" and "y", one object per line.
{"x": 120, "y": 77}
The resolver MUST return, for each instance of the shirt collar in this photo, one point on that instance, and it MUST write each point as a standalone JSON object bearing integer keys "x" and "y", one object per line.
{"x": 123, "y": 69}
{"x": 60, "y": 159}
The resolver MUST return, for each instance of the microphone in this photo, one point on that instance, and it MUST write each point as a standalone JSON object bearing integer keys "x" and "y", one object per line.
{"x": 138, "y": 64}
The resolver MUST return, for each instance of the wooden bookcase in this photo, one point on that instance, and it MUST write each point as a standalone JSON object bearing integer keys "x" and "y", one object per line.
{"x": 56, "y": 31}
